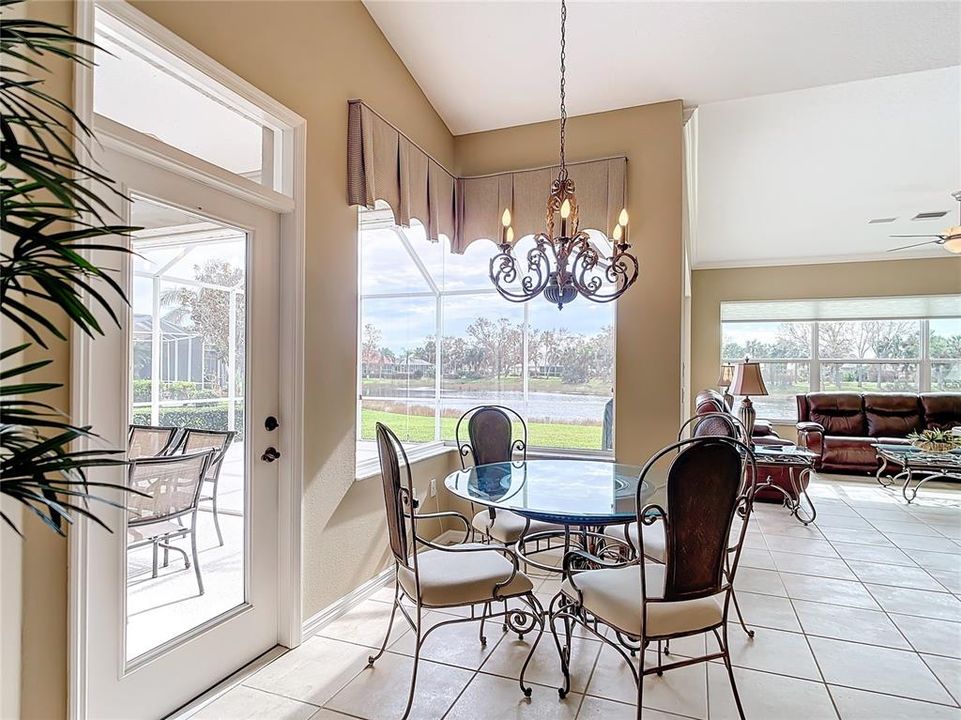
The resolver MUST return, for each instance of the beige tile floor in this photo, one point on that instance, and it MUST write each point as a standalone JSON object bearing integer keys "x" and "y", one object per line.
{"x": 858, "y": 617}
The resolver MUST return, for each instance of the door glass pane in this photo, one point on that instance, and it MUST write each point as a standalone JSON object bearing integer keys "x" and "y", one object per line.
{"x": 185, "y": 534}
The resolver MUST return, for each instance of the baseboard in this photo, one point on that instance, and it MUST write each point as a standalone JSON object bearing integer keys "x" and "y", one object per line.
{"x": 315, "y": 623}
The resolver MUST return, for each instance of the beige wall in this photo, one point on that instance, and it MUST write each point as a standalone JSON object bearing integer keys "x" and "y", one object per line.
{"x": 866, "y": 279}
{"x": 648, "y": 334}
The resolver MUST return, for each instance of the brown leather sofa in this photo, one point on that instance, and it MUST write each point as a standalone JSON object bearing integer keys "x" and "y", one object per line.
{"x": 842, "y": 428}
{"x": 711, "y": 401}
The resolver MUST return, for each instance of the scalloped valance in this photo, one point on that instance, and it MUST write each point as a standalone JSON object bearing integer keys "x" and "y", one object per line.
{"x": 384, "y": 164}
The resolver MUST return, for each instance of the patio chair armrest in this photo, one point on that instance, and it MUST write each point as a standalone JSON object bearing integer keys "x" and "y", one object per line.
{"x": 446, "y": 514}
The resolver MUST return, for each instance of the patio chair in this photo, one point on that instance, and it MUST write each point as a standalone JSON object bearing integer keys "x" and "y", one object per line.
{"x": 150, "y": 440}
{"x": 690, "y": 593}
{"x": 428, "y": 575}
{"x": 490, "y": 439}
{"x": 218, "y": 441}
{"x": 170, "y": 487}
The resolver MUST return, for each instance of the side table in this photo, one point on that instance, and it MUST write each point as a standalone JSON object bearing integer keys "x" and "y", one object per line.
{"x": 800, "y": 463}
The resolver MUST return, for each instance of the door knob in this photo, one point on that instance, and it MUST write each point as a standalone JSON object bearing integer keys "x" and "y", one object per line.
{"x": 271, "y": 423}
{"x": 270, "y": 454}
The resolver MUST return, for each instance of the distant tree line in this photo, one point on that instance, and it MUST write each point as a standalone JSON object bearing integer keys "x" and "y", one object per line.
{"x": 495, "y": 349}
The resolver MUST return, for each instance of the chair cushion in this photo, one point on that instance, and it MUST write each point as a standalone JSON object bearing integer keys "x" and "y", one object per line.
{"x": 462, "y": 578}
{"x": 614, "y": 597}
{"x": 942, "y": 411}
{"x": 507, "y": 526}
{"x": 654, "y": 540}
{"x": 892, "y": 414}
{"x": 838, "y": 413}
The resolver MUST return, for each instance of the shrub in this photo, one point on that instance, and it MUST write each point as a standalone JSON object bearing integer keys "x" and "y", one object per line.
{"x": 204, "y": 417}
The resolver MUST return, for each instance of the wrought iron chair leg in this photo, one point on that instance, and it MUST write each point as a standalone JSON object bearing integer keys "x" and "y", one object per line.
{"x": 667, "y": 647}
{"x": 193, "y": 550}
{"x": 730, "y": 669}
{"x": 413, "y": 677}
{"x": 737, "y": 609}
{"x": 213, "y": 504}
{"x": 640, "y": 680}
{"x": 659, "y": 670}
{"x": 538, "y": 614}
{"x": 562, "y": 652}
{"x": 390, "y": 626}
{"x": 484, "y": 612}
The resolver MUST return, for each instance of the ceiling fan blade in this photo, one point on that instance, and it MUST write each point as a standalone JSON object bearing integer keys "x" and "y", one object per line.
{"x": 912, "y": 236}
{"x": 905, "y": 247}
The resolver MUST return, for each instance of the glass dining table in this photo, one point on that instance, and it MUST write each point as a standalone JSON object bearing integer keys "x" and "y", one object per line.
{"x": 580, "y": 496}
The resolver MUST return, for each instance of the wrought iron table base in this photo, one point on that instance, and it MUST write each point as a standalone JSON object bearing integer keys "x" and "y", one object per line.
{"x": 793, "y": 501}
{"x": 908, "y": 474}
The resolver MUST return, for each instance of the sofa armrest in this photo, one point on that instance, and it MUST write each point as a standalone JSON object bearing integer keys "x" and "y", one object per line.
{"x": 763, "y": 428}
{"x": 810, "y": 435}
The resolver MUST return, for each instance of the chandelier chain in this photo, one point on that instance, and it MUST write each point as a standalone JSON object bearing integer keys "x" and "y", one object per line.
{"x": 563, "y": 79}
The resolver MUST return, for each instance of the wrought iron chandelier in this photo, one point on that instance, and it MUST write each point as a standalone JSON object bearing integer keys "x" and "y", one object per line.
{"x": 568, "y": 264}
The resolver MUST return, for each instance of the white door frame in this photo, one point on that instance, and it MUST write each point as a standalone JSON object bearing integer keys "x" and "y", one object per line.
{"x": 291, "y": 204}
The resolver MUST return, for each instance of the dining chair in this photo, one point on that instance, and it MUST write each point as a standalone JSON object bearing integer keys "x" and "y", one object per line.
{"x": 641, "y": 602}
{"x": 430, "y": 576}
{"x": 218, "y": 441}
{"x": 168, "y": 490}
{"x": 150, "y": 440}
{"x": 490, "y": 439}
{"x": 714, "y": 424}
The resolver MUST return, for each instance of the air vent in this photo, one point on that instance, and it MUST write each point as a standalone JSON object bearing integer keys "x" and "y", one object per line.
{"x": 930, "y": 215}
{"x": 878, "y": 221}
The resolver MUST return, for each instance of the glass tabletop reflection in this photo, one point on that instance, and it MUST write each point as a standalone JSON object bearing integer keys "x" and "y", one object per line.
{"x": 565, "y": 491}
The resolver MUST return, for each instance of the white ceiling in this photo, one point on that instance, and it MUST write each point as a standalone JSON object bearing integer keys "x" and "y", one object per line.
{"x": 795, "y": 177}
{"x": 486, "y": 65}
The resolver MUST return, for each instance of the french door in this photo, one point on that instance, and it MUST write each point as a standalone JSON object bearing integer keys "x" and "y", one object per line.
{"x": 174, "y": 606}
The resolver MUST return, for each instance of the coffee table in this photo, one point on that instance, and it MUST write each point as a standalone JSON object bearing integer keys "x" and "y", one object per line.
{"x": 916, "y": 466}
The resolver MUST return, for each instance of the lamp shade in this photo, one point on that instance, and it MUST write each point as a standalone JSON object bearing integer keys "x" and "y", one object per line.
{"x": 747, "y": 379}
{"x": 726, "y": 377}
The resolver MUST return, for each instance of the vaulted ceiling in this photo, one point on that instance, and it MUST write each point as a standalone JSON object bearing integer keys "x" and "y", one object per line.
{"x": 486, "y": 65}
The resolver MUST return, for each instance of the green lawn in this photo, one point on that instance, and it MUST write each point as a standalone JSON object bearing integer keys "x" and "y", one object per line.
{"x": 419, "y": 428}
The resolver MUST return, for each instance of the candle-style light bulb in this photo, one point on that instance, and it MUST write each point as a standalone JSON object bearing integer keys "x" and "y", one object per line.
{"x": 510, "y": 235}
{"x": 565, "y": 209}
{"x": 618, "y": 233}
{"x": 622, "y": 218}
{"x": 506, "y": 217}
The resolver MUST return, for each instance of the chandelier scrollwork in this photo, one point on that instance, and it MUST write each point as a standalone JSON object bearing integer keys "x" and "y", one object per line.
{"x": 565, "y": 264}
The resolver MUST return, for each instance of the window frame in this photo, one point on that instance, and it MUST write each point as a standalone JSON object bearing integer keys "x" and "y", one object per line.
{"x": 924, "y": 360}
{"x": 382, "y": 218}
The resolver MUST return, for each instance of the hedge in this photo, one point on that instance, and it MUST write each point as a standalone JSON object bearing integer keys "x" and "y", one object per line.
{"x": 205, "y": 417}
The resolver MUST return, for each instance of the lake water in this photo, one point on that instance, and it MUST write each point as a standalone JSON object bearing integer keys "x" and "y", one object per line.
{"x": 559, "y": 406}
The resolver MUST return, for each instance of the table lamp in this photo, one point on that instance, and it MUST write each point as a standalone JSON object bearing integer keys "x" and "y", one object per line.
{"x": 724, "y": 382}
{"x": 747, "y": 381}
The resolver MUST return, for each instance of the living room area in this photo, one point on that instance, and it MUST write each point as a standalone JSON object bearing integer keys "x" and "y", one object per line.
{"x": 389, "y": 441}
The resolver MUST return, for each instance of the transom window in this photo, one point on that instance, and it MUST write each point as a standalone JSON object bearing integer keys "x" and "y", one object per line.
{"x": 860, "y": 354}
{"x": 555, "y": 368}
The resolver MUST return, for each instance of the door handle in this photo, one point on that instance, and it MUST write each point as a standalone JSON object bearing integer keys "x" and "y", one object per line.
{"x": 270, "y": 454}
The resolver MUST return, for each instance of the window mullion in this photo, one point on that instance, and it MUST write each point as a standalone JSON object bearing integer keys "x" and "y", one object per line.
{"x": 815, "y": 372}
{"x": 924, "y": 372}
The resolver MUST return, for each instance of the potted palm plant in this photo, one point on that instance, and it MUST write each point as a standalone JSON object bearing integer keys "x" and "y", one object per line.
{"x": 52, "y": 212}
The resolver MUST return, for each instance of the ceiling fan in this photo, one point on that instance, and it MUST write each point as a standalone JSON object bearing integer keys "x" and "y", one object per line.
{"x": 950, "y": 239}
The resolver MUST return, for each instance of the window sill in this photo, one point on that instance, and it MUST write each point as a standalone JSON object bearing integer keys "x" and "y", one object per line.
{"x": 371, "y": 468}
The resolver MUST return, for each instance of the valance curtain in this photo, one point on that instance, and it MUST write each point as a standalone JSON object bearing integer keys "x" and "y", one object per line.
{"x": 383, "y": 164}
